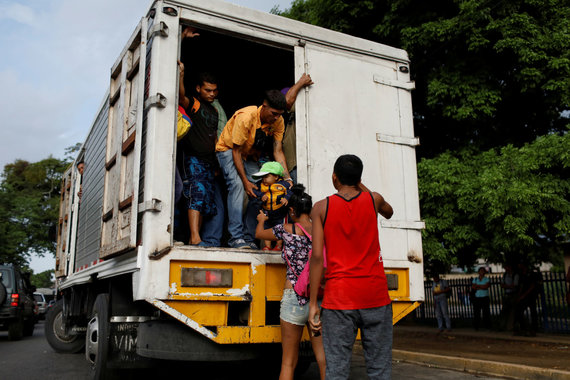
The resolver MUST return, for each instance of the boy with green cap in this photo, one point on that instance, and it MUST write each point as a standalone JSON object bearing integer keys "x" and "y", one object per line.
{"x": 274, "y": 194}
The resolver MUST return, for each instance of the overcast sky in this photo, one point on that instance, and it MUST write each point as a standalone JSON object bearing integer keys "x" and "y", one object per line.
{"x": 54, "y": 70}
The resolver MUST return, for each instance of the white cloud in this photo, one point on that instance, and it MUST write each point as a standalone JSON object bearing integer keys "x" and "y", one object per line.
{"x": 18, "y": 12}
{"x": 55, "y": 74}
{"x": 32, "y": 122}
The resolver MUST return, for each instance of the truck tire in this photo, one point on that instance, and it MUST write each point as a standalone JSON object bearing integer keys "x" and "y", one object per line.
{"x": 3, "y": 293}
{"x": 16, "y": 329}
{"x": 97, "y": 339}
{"x": 55, "y": 332}
{"x": 29, "y": 326}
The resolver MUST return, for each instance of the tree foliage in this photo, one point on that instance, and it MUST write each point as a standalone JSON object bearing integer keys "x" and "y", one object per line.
{"x": 43, "y": 279}
{"x": 29, "y": 203}
{"x": 488, "y": 73}
{"x": 501, "y": 204}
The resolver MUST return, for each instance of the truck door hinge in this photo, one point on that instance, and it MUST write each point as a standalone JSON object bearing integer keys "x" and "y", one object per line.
{"x": 394, "y": 83}
{"x": 403, "y": 224}
{"x": 154, "y": 205}
{"x": 400, "y": 140}
{"x": 157, "y": 100}
{"x": 160, "y": 29}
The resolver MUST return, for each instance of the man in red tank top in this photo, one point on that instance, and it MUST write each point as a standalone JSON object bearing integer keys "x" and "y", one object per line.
{"x": 356, "y": 291}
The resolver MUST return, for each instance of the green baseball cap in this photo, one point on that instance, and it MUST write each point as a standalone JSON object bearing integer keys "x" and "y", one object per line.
{"x": 271, "y": 167}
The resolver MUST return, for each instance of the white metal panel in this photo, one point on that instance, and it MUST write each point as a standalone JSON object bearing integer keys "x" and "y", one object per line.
{"x": 347, "y": 108}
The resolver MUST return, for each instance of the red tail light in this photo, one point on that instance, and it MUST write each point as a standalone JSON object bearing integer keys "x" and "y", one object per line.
{"x": 213, "y": 278}
{"x": 207, "y": 277}
{"x": 15, "y": 299}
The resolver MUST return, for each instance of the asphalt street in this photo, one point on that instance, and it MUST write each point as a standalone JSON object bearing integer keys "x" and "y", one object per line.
{"x": 32, "y": 358}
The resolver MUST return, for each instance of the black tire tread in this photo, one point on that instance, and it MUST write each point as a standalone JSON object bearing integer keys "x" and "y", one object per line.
{"x": 57, "y": 344}
{"x": 16, "y": 329}
{"x": 29, "y": 326}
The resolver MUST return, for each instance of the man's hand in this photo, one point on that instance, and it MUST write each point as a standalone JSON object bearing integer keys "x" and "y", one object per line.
{"x": 180, "y": 68}
{"x": 315, "y": 320}
{"x": 264, "y": 197}
{"x": 248, "y": 187}
{"x": 189, "y": 32}
{"x": 305, "y": 80}
{"x": 284, "y": 201}
{"x": 261, "y": 217}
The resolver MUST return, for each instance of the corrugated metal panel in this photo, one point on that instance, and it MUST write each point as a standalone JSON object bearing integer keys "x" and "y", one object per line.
{"x": 89, "y": 225}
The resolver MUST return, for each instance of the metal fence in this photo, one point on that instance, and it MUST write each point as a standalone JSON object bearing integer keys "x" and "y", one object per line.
{"x": 553, "y": 311}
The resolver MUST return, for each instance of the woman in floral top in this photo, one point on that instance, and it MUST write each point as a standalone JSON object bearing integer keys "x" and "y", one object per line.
{"x": 294, "y": 311}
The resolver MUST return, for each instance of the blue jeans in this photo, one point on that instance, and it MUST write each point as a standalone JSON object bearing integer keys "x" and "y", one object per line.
{"x": 177, "y": 186}
{"x": 441, "y": 313}
{"x": 237, "y": 221}
{"x": 213, "y": 226}
{"x": 339, "y": 332}
{"x": 293, "y": 174}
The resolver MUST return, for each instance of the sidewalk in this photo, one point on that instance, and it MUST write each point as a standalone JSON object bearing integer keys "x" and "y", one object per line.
{"x": 491, "y": 353}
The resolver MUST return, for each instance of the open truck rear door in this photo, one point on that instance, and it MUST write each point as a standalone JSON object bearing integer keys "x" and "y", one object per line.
{"x": 372, "y": 118}
{"x": 122, "y": 160}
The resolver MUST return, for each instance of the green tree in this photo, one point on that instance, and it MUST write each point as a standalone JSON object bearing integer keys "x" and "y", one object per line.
{"x": 29, "y": 203}
{"x": 488, "y": 73}
{"x": 501, "y": 204}
{"x": 43, "y": 279}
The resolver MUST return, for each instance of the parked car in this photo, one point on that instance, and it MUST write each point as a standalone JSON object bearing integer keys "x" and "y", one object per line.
{"x": 42, "y": 305}
{"x": 17, "y": 303}
{"x": 50, "y": 305}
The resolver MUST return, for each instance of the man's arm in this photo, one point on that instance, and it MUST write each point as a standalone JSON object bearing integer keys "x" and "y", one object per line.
{"x": 382, "y": 206}
{"x": 182, "y": 98}
{"x": 280, "y": 157}
{"x": 316, "y": 264}
{"x": 291, "y": 95}
{"x": 238, "y": 162}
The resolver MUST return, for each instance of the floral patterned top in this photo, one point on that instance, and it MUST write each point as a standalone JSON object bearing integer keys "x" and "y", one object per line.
{"x": 296, "y": 250}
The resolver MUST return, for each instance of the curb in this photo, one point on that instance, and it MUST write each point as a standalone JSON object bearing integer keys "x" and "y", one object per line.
{"x": 481, "y": 367}
{"x": 539, "y": 338}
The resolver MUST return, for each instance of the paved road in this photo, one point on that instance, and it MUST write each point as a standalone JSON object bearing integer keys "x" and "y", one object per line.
{"x": 32, "y": 358}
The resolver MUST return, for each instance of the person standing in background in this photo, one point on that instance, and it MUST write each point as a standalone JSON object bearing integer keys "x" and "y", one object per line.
{"x": 481, "y": 303}
{"x": 440, "y": 292}
{"x": 510, "y": 284}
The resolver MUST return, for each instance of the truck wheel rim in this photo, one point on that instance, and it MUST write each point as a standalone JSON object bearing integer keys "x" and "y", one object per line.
{"x": 59, "y": 331}
{"x": 92, "y": 340}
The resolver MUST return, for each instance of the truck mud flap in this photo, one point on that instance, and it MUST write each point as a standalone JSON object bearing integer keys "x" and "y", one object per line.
{"x": 122, "y": 346}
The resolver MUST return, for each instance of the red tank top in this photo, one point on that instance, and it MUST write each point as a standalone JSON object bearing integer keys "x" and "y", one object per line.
{"x": 355, "y": 276}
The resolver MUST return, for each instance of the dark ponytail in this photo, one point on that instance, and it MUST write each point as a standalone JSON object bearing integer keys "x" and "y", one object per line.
{"x": 300, "y": 202}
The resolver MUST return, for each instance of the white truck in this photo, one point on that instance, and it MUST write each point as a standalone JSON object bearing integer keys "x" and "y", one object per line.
{"x": 127, "y": 293}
